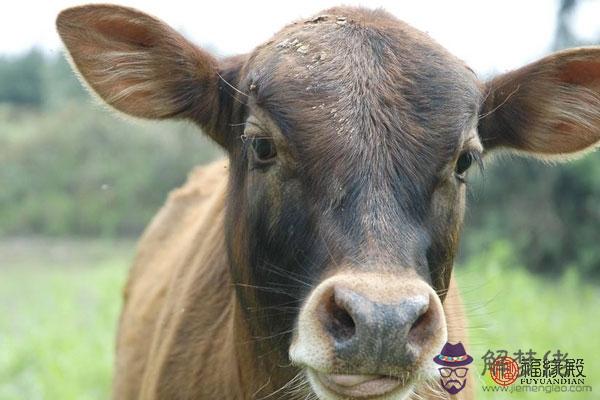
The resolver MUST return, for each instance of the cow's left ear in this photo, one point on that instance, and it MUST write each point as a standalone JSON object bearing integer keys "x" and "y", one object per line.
{"x": 142, "y": 67}
{"x": 549, "y": 109}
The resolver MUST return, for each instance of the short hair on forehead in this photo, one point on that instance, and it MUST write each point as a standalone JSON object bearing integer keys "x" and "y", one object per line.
{"x": 374, "y": 73}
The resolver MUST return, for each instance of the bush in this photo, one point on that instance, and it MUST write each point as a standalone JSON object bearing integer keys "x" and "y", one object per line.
{"x": 81, "y": 171}
{"x": 550, "y": 213}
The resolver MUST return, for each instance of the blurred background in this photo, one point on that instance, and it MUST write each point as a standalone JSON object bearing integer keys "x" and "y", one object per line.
{"x": 78, "y": 185}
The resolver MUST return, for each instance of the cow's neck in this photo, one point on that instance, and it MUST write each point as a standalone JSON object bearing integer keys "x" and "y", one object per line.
{"x": 263, "y": 370}
{"x": 203, "y": 345}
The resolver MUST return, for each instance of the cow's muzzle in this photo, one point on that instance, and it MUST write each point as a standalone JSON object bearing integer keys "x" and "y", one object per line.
{"x": 368, "y": 335}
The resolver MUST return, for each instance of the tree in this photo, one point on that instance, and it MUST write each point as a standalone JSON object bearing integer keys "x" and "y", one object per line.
{"x": 21, "y": 79}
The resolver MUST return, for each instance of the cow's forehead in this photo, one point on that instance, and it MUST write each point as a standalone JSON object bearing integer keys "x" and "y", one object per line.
{"x": 360, "y": 82}
{"x": 348, "y": 62}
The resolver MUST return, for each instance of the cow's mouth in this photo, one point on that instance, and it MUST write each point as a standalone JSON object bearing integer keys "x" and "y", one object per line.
{"x": 336, "y": 386}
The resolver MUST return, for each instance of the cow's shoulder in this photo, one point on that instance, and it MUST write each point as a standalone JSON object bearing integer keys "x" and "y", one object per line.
{"x": 185, "y": 208}
{"x": 174, "y": 233}
{"x": 202, "y": 182}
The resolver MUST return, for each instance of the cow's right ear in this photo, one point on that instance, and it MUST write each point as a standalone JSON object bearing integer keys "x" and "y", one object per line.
{"x": 142, "y": 67}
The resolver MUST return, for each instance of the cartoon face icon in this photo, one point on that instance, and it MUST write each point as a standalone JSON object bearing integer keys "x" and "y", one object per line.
{"x": 453, "y": 373}
{"x": 453, "y": 379}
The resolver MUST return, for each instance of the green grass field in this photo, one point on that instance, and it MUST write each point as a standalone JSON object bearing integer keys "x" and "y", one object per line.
{"x": 58, "y": 308}
{"x": 59, "y": 302}
{"x": 510, "y": 309}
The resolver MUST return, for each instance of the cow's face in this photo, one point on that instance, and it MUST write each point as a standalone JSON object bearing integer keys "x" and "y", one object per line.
{"x": 348, "y": 186}
{"x": 350, "y": 136}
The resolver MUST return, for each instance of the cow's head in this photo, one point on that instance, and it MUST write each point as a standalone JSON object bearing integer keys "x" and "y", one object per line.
{"x": 349, "y": 137}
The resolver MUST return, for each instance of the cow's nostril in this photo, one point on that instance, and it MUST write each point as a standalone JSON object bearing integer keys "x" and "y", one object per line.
{"x": 338, "y": 320}
{"x": 420, "y": 331}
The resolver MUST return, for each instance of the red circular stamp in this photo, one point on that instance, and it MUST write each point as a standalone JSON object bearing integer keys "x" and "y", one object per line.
{"x": 504, "y": 371}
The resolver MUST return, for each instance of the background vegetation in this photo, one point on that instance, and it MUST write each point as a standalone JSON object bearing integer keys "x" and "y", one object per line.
{"x": 69, "y": 169}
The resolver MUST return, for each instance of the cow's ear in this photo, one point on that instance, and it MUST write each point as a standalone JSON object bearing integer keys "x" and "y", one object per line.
{"x": 142, "y": 67}
{"x": 549, "y": 109}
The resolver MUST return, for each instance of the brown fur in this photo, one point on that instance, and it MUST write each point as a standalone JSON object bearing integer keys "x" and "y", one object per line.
{"x": 555, "y": 100}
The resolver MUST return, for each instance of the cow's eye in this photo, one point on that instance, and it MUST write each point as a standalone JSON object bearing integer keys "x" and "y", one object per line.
{"x": 463, "y": 163}
{"x": 264, "y": 149}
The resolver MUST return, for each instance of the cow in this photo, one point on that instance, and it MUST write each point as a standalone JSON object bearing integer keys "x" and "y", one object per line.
{"x": 316, "y": 260}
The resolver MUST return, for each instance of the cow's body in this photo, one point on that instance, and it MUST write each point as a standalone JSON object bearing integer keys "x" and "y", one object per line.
{"x": 177, "y": 336}
{"x": 180, "y": 270}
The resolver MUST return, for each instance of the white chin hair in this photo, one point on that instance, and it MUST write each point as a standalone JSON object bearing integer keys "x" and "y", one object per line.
{"x": 325, "y": 394}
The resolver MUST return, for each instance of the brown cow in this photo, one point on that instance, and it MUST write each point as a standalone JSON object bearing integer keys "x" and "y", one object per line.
{"x": 317, "y": 261}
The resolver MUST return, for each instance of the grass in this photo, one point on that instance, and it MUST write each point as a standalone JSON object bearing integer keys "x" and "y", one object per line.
{"x": 510, "y": 309}
{"x": 59, "y": 302}
{"x": 58, "y": 310}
